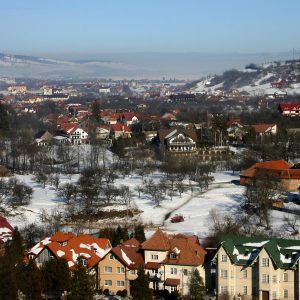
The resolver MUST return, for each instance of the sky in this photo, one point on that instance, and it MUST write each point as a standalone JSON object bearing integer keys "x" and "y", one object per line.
{"x": 82, "y": 28}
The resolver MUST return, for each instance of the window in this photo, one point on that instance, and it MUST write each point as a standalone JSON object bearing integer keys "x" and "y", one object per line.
{"x": 224, "y": 257}
{"x": 132, "y": 272}
{"x": 244, "y": 274}
{"x": 173, "y": 255}
{"x": 108, "y": 282}
{"x": 107, "y": 269}
{"x": 285, "y": 277}
{"x": 274, "y": 278}
{"x": 120, "y": 270}
{"x": 265, "y": 278}
{"x": 224, "y": 289}
{"x": 120, "y": 283}
{"x": 245, "y": 290}
{"x": 174, "y": 271}
{"x": 154, "y": 257}
{"x": 84, "y": 262}
{"x": 274, "y": 295}
{"x": 31, "y": 256}
{"x": 285, "y": 293}
{"x": 265, "y": 262}
{"x": 185, "y": 271}
{"x": 173, "y": 288}
{"x": 224, "y": 273}
{"x": 112, "y": 257}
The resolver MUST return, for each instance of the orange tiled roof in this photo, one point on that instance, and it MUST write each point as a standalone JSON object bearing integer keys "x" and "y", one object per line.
{"x": 159, "y": 241}
{"x": 129, "y": 255}
{"x": 262, "y": 128}
{"x": 120, "y": 127}
{"x": 172, "y": 281}
{"x": 86, "y": 246}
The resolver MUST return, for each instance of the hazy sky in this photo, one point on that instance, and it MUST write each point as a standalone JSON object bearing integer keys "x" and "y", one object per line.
{"x": 54, "y": 27}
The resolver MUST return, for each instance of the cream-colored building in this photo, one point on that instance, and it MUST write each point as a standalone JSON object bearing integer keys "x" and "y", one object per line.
{"x": 118, "y": 269}
{"x": 258, "y": 268}
{"x": 171, "y": 259}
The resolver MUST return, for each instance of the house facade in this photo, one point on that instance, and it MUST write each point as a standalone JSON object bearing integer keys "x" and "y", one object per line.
{"x": 178, "y": 141}
{"x": 258, "y": 268}
{"x": 170, "y": 260}
{"x": 118, "y": 269}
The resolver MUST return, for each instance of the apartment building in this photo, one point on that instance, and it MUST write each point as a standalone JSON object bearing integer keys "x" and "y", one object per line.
{"x": 258, "y": 268}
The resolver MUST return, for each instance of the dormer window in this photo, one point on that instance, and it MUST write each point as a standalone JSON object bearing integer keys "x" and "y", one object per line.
{"x": 84, "y": 262}
{"x": 173, "y": 255}
{"x": 64, "y": 243}
{"x": 31, "y": 256}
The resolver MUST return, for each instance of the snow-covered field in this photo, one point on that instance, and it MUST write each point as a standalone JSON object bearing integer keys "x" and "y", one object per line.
{"x": 222, "y": 195}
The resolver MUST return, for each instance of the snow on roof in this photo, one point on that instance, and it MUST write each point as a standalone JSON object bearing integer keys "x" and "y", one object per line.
{"x": 257, "y": 245}
{"x": 126, "y": 258}
{"x": 60, "y": 253}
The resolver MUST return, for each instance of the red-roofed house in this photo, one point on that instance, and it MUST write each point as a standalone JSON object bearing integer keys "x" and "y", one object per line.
{"x": 170, "y": 259}
{"x": 120, "y": 131}
{"x": 288, "y": 174}
{"x": 118, "y": 269}
{"x": 6, "y": 232}
{"x": 262, "y": 129}
{"x": 130, "y": 118}
{"x": 289, "y": 109}
{"x": 84, "y": 247}
{"x": 77, "y": 135}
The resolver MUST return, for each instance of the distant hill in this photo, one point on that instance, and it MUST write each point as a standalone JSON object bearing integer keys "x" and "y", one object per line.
{"x": 283, "y": 76}
{"x": 31, "y": 66}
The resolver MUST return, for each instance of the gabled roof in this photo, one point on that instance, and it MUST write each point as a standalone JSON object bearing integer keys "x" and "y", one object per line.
{"x": 244, "y": 251}
{"x": 129, "y": 255}
{"x": 6, "y": 230}
{"x": 158, "y": 241}
{"x": 262, "y": 128}
{"x": 288, "y": 106}
{"x": 168, "y": 133}
{"x": 280, "y": 169}
{"x": 69, "y": 128}
{"x": 71, "y": 247}
{"x": 120, "y": 127}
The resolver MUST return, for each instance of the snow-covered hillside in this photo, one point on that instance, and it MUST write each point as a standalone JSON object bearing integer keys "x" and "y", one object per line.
{"x": 254, "y": 82}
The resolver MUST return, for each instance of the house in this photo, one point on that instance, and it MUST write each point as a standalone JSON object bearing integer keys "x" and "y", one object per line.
{"x": 129, "y": 118}
{"x": 118, "y": 268}
{"x": 43, "y": 138}
{"x": 180, "y": 141}
{"x": 260, "y": 268}
{"x": 264, "y": 129}
{"x": 120, "y": 131}
{"x": 6, "y": 233}
{"x": 103, "y": 132}
{"x": 77, "y": 135}
{"x": 170, "y": 260}
{"x": 289, "y": 109}
{"x": 287, "y": 174}
{"x": 84, "y": 248}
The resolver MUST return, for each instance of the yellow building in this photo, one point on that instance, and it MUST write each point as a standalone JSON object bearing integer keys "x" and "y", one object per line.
{"x": 118, "y": 268}
{"x": 258, "y": 268}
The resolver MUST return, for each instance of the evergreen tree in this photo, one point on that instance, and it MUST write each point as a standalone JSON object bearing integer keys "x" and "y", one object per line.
{"x": 8, "y": 284}
{"x": 140, "y": 287}
{"x": 30, "y": 281}
{"x": 108, "y": 233}
{"x": 120, "y": 235}
{"x": 56, "y": 276}
{"x": 15, "y": 249}
{"x": 196, "y": 286}
{"x": 82, "y": 287}
{"x": 139, "y": 233}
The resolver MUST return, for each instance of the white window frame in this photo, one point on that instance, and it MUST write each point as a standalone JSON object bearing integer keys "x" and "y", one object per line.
{"x": 107, "y": 269}
{"x": 285, "y": 277}
{"x": 224, "y": 258}
{"x": 265, "y": 262}
{"x": 274, "y": 278}
{"x": 174, "y": 271}
{"x": 120, "y": 270}
{"x": 245, "y": 290}
{"x": 224, "y": 273}
{"x": 265, "y": 278}
{"x": 224, "y": 289}
{"x": 107, "y": 282}
{"x": 285, "y": 293}
{"x": 245, "y": 273}
{"x": 121, "y": 283}
{"x": 154, "y": 256}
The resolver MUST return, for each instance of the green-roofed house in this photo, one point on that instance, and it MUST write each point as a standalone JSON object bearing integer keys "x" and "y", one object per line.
{"x": 258, "y": 268}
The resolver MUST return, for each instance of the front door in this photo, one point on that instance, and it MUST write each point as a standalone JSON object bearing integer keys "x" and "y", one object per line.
{"x": 265, "y": 295}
